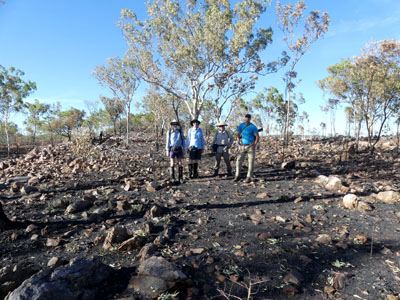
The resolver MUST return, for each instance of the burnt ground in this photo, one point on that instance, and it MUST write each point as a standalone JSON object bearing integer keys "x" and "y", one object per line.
{"x": 224, "y": 235}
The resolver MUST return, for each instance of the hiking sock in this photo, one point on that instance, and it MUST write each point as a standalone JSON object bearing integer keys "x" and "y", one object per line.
{"x": 180, "y": 174}
{"x": 172, "y": 173}
{"x": 190, "y": 170}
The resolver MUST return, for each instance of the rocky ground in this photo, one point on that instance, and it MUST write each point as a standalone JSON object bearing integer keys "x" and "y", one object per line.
{"x": 104, "y": 223}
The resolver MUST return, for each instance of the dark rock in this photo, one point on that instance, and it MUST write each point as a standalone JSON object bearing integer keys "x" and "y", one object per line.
{"x": 77, "y": 206}
{"x": 156, "y": 275}
{"x": 12, "y": 276}
{"x": 78, "y": 280}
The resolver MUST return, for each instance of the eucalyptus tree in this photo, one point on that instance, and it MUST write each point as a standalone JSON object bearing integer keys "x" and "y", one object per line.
{"x": 13, "y": 89}
{"x": 198, "y": 51}
{"x": 114, "y": 109}
{"x": 289, "y": 18}
{"x": 121, "y": 78}
{"x": 35, "y": 112}
{"x": 349, "y": 113}
{"x": 370, "y": 83}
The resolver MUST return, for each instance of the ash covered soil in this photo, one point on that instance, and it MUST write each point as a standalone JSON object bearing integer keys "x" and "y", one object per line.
{"x": 286, "y": 235}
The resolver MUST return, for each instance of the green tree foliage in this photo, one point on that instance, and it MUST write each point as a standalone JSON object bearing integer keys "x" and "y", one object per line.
{"x": 200, "y": 50}
{"x": 12, "y": 92}
{"x": 114, "y": 109}
{"x": 271, "y": 106}
{"x": 35, "y": 112}
{"x": 121, "y": 78}
{"x": 65, "y": 122}
{"x": 289, "y": 18}
{"x": 370, "y": 83}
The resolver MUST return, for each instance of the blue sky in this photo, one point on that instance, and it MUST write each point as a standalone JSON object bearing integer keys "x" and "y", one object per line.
{"x": 58, "y": 44}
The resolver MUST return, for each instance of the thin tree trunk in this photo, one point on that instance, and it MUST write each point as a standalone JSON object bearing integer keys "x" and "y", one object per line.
{"x": 6, "y": 132}
{"x": 287, "y": 120}
{"x": 157, "y": 138}
{"x": 127, "y": 128}
{"x": 358, "y": 134}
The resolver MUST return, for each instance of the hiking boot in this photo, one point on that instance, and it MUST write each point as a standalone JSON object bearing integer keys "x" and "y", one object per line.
{"x": 215, "y": 173}
{"x": 180, "y": 174}
{"x": 190, "y": 171}
{"x": 247, "y": 180}
{"x": 195, "y": 170}
{"x": 236, "y": 179}
{"x": 172, "y": 173}
{"x": 230, "y": 173}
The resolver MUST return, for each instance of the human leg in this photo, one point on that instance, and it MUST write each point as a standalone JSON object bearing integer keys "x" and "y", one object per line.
{"x": 218, "y": 156}
{"x": 227, "y": 162}
{"x": 251, "y": 156}
{"x": 239, "y": 162}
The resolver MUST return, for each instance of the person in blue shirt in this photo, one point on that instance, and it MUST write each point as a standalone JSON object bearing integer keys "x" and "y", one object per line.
{"x": 175, "y": 147}
{"x": 195, "y": 147}
{"x": 247, "y": 139}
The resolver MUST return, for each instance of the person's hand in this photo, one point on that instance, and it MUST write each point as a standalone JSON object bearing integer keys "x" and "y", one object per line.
{"x": 253, "y": 147}
{"x": 202, "y": 150}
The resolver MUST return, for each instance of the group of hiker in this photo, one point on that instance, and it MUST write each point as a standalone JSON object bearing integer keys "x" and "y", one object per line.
{"x": 177, "y": 145}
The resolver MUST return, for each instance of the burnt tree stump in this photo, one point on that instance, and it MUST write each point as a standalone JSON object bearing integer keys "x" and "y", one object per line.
{"x": 5, "y": 222}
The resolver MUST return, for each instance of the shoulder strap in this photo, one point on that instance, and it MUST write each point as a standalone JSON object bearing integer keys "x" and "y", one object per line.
{"x": 181, "y": 134}
{"x": 245, "y": 128}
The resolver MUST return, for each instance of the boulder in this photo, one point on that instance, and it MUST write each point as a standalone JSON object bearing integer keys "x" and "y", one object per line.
{"x": 155, "y": 276}
{"x": 350, "y": 201}
{"x": 388, "y": 196}
{"x": 80, "y": 279}
{"x": 334, "y": 184}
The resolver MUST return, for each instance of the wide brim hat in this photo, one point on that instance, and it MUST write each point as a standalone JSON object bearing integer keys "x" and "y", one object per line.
{"x": 193, "y": 121}
{"x": 221, "y": 124}
{"x": 174, "y": 122}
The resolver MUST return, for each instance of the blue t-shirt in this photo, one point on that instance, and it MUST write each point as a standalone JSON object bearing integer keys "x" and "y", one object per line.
{"x": 248, "y": 133}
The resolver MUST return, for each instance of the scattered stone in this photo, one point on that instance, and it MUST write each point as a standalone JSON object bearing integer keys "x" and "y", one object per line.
{"x": 264, "y": 236}
{"x": 116, "y": 234}
{"x": 77, "y": 206}
{"x": 329, "y": 289}
{"x": 324, "y": 239}
{"x": 262, "y": 195}
{"x": 31, "y": 228}
{"x": 298, "y": 199}
{"x": 198, "y": 250}
{"x": 152, "y": 187}
{"x": 155, "y": 212}
{"x": 55, "y": 262}
{"x": 53, "y": 242}
{"x": 363, "y": 206}
{"x": 294, "y": 277}
{"x": 288, "y": 165}
{"x": 135, "y": 242}
{"x": 290, "y": 290}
